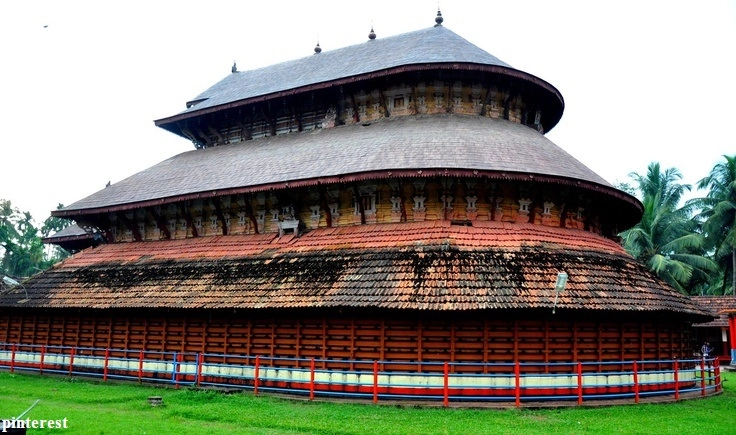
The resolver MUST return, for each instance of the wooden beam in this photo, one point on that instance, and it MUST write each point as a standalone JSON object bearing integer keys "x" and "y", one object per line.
{"x": 359, "y": 202}
{"x": 193, "y": 137}
{"x": 220, "y": 216}
{"x": 352, "y": 344}
{"x": 160, "y": 223}
{"x": 131, "y": 226}
{"x": 245, "y": 132}
{"x": 251, "y": 215}
{"x": 448, "y": 97}
{"x": 183, "y": 336}
{"x": 420, "y": 343}
{"x": 34, "y": 334}
{"x": 563, "y": 215}
{"x": 356, "y": 115}
{"x": 452, "y": 340}
{"x": 489, "y": 95}
{"x": 485, "y": 344}
{"x": 79, "y": 330}
{"x": 273, "y": 337}
{"x": 5, "y": 325}
{"x": 207, "y": 140}
{"x": 214, "y": 132}
{"x": 297, "y": 119}
{"x": 188, "y": 219}
{"x": 325, "y": 207}
{"x": 269, "y": 121}
{"x": 104, "y": 224}
{"x": 507, "y": 102}
{"x": 298, "y": 344}
{"x": 324, "y": 342}
{"x": 382, "y": 103}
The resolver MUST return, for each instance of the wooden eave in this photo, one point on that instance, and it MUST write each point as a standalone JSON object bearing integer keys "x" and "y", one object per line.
{"x": 365, "y": 176}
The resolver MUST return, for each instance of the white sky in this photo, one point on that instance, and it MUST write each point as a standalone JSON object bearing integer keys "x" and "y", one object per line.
{"x": 643, "y": 81}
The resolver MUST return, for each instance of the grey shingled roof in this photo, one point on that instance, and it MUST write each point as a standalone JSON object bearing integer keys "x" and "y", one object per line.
{"x": 444, "y": 141}
{"x": 432, "y": 45}
{"x": 73, "y": 230}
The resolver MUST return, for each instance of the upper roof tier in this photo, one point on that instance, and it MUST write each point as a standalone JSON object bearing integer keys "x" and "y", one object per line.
{"x": 434, "y": 48}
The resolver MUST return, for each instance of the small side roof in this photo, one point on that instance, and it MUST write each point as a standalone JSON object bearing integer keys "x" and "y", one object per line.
{"x": 73, "y": 238}
{"x": 720, "y": 306}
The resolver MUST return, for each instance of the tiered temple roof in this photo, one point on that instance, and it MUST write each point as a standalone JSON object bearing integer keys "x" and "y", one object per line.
{"x": 339, "y": 120}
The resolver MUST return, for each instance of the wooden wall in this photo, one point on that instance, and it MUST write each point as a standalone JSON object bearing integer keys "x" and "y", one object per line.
{"x": 408, "y": 337}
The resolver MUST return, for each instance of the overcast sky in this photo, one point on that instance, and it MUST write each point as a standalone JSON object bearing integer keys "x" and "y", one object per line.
{"x": 83, "y": 81}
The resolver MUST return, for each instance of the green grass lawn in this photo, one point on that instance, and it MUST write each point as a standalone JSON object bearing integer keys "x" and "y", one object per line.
{"x": 111, "y": 408}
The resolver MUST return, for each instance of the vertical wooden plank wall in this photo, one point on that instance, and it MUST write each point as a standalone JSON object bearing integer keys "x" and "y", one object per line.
{"x": 341, "y": 338}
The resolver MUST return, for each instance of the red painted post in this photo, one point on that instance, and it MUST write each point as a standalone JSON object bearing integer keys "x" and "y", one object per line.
{"x": 255, "y": 379}
{"x": 702, "y": 376}
{"x": 40, "y": 364}
{"x": 200, "y": 357}
{"x": 636, "y": 383}
{"x": 311, "y": 379}
{"x": 580, "y": 383}
{"x": 71, "y": 362}
{"x": 12, "y": 358}
{"x": 517, "y": 383}
{"x": 140, "y": 366}
{"x": 446, "y": 389}
{"x": 104, "y": 369}
{"x": 677, "y": 381}
{"x": 717, "y": 368}
{"x": 375, "y": 381}
{"x": 732, "y": 334}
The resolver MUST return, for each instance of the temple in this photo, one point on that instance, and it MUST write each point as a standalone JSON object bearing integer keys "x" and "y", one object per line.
{"x": 395, "y": 200}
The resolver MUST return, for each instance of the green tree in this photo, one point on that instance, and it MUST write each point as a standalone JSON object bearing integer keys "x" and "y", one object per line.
{"x": 51, "y": 226}
{"x": 22, "y": 253}
{"x": 718, "y": 214}
{"x": 8, "y": 233}
{"x": 667, "y": 238}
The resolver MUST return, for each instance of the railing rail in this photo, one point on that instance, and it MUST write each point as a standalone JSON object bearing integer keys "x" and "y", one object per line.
{"x": 516, "y": 383}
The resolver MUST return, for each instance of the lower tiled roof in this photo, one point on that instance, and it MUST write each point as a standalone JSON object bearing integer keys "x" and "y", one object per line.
{"x": 425, "y": 266}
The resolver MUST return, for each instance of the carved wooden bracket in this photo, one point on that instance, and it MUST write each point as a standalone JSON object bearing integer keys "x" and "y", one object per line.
{"x": 188, "y": 219}
{"x": 131, "y": 226}
{"x": 220, "y": 215}
{"x": 160, "y": 223}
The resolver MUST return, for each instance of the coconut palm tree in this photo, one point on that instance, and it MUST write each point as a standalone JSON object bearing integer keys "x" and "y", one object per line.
{"x": 666, "y": 239}
{"x": 718, "y": 213}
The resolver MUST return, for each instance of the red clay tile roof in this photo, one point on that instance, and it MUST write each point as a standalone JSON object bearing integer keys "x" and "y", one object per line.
{"x": 411, "y": 143}
{"x": 426, "y": 266}
{"x": 718, "y": 305}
